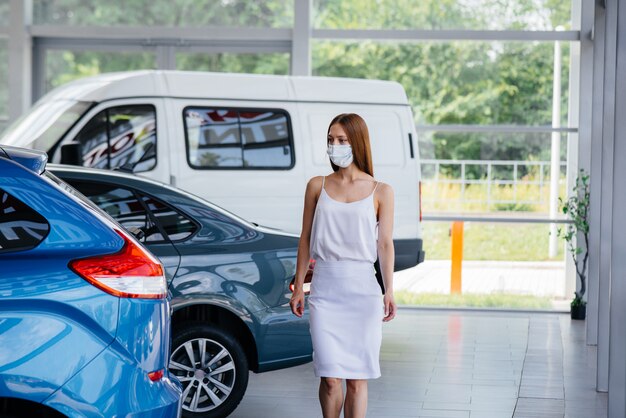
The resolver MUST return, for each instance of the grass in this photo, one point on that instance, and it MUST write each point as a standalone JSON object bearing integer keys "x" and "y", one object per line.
{"x": 491, "y": 241}
{"x": 486, "y": 241}
{"x": 493, "y": 300}
{"x": 448, "y": 197}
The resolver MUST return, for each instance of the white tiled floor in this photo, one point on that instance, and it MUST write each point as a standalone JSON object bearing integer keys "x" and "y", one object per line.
{"x": 457, "y": 364}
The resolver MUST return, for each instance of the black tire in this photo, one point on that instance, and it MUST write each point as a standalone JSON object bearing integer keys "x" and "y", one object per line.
{"x": 229, "y": 355}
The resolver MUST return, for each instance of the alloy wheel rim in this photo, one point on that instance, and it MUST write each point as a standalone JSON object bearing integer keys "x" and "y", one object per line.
{"x": 207, "y": 371}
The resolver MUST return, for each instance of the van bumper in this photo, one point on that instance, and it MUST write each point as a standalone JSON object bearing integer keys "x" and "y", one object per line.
{"x": 409, "y": 253}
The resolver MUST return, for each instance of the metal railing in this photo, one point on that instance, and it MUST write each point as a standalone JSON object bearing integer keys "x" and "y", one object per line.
{"x": 489, "y": 180}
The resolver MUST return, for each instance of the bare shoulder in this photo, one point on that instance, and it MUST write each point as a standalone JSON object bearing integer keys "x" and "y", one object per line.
{"x": 384, "y": 190}
{"x": 314, "y": 186}
{"x": 384, "y": 194}
{"x": 314, "y": 181}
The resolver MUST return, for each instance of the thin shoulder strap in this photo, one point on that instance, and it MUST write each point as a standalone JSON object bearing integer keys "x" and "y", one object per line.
{"x": 323, "y": 178}
{"x": 375, "y": 186}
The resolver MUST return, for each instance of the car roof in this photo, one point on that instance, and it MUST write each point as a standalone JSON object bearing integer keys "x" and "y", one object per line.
{"x": 210, "y": 85}
{"x": 33, "y": 160}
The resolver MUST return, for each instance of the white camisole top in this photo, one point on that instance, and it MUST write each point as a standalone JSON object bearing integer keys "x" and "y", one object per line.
{"x": 344, "y": 230}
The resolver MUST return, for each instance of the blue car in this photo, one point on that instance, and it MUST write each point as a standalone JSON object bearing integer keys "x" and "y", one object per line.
{"x": 230, "y": 280}
{"x": 84, "y": 307}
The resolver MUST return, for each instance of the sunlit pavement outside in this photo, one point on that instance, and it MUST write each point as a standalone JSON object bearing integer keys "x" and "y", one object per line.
{"x": 537, "y": 278}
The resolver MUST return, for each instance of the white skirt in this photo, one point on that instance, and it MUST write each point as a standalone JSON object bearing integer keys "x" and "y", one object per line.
{"x": 346, "y": 313}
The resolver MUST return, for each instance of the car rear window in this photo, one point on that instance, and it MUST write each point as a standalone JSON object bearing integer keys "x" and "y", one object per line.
{"x": 135, "y": 210}
{"x": 176, "y": 226}
{"x": 21, "y": 227}
{"x": 78, "y": 195}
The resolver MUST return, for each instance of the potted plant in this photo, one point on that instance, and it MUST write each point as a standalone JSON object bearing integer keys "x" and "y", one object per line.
{"x": 576, "y": 208}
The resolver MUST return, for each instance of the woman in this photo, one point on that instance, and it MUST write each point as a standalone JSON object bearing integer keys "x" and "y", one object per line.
{"x": 347, "y": 223}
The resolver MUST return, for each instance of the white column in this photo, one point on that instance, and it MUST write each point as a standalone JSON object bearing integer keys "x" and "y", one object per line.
{"x": 583, "y": 12}
{"x": 604, "y": 133}
{"x": 301, "y": 38}
{"x": 166, "y": 57}
{"x": 555, "y": 160}
{"x": 617, "y": 307}
{"x": 580, "y": 75}
{"x": 595, "y": 184}
{"x": 20, "y": 57}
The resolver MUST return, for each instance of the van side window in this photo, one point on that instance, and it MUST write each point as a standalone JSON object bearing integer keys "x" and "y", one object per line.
{"x": 21, "y": 227}
{"x": 120, "y": 135}
{"x": 238, "y": 138}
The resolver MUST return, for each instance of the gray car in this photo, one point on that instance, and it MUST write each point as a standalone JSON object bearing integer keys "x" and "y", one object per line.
{"x": 230, "y": 282}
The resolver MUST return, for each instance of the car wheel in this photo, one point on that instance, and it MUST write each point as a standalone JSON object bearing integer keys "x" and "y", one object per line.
{"x": 212, "y": 367}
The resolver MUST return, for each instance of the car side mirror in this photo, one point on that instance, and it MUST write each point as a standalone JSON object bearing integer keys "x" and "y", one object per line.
{"x": 72, "y": 154}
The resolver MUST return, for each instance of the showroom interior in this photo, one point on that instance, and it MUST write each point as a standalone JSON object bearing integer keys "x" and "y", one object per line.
{"x": 507, "y": 96}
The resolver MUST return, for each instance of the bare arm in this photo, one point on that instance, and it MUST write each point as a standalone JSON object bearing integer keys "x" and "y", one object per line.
{"x": 302, "y": 263}
{"x": 386, "y": 251}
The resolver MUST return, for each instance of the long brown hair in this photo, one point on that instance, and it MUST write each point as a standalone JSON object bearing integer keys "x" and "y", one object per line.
{"x": 359, "y": 137}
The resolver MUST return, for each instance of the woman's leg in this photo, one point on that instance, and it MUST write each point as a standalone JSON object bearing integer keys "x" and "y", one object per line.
{"x": 331, "y": 396}
{"x": 356, "y": 398}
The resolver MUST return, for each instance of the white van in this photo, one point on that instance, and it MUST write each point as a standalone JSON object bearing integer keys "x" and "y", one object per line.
{"x": 248, "y": 143}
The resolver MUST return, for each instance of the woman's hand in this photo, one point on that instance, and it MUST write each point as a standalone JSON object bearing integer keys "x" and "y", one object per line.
{"x": 297, "y": 302}
{"x": 390, "y": 307}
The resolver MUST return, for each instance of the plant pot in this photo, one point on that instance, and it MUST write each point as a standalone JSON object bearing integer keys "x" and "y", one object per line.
{"x": 578, "y": 311}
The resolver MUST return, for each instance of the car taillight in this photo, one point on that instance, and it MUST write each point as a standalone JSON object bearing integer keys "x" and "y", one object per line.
{"x": 130, "y": 273}
{"x": 420, "y": 194}
{"x": 156, "y": 376}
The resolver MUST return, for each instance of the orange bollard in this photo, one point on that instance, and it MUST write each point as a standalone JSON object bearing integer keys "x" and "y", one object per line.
{"x": 457, "y": 257}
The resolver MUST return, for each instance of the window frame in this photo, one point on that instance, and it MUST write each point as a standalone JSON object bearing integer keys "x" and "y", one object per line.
{"x": 240, "y": 110}
{"x": 106, "y": 106}
{"x": 140, "y": 194}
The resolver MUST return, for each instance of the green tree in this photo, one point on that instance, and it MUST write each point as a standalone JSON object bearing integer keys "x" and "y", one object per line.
{"x": 460, "y": 82}
{"x": 274, "y": 13}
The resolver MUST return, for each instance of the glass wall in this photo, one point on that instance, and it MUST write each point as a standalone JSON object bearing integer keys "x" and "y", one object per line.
{"x": 63, "y": 66}
{"x": 487, "y": 172}
{"x": 4, "y": 13}
{"x": 484, "y": 112}
{"x": 474, "y": 83}
{"x": 442, "y": 14}
{"x": 486, "y": 119}
{"x": 268, "y": 63}
{"x": 177, "y": 13}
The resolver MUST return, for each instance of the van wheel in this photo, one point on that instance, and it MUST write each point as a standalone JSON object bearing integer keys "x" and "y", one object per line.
{"x": 212, "y": 367}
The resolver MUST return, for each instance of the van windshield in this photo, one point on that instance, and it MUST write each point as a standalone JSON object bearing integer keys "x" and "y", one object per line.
{"x": 46, "y": 123}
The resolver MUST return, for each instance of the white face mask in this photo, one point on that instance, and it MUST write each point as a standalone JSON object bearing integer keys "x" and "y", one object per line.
{"x": 340, "y": 155}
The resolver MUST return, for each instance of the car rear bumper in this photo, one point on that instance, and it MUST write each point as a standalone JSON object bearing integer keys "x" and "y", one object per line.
{"x": 409, "y": 253}
{"x": 111, "y": 385}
